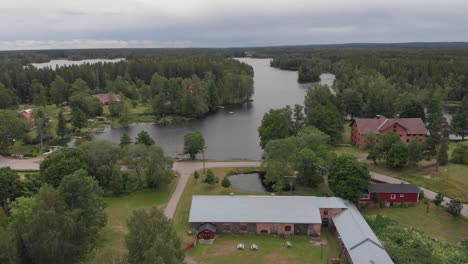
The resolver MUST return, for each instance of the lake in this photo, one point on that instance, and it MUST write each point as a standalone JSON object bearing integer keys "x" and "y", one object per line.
{"x": 231, "y": 132}
{"x": 59, "y": 63}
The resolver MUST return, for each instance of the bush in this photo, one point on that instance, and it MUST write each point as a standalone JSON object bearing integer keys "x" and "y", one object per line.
{"x": 421, "y": 195}
{"x": 226, "y": 183}
{"x": 460, "y": 153}
{"x": 196, "y": 174}
{"x": 455, "y": 207}
{"x": 438, "y": 199}
{"x": 210, "y": 178}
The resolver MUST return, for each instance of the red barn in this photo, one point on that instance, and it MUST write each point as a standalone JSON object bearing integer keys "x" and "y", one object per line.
{"x": 407, "y": 128}
{"x": 402, "y": 193}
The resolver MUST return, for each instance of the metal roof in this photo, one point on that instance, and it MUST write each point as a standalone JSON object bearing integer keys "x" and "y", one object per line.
{"x": 393, "y": 188}
{"x": 207, "y": 226}
{"x": 260, "y": 209}
{"x": 359, "y": 239}
{"x": 414, "y": 126}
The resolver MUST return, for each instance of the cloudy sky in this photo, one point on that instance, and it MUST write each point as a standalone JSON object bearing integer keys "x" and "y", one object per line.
{"x": 34, "y": 24}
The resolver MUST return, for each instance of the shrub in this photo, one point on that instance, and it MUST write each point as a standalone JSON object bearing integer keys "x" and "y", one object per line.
{"x": 421, "y": 194}
{"x": 438, "y": 199}
{"x": 455, "y": 207}
{"x": 460, "y": 153}
{"x": 196, "y": 174}
{"x": 210, "y": 178}
{"x": 226, "y": 183}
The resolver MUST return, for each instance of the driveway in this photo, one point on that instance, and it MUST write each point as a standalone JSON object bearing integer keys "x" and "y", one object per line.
{"x": 427, "y": 193}
{"x": 20, "y": 164}
{"x": 185, "y": 170}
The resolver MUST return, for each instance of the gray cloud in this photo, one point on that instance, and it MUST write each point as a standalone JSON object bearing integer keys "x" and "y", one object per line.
{"x": 90, "y": 43}
{"x": 51, "y": 23}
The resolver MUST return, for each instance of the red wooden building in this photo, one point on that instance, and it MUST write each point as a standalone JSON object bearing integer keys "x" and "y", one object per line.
{"x": 106, "y": 98}
{"x": 402, "y": 193}
{"x": 407, "y": 128}
{"x": 207, "y": 233}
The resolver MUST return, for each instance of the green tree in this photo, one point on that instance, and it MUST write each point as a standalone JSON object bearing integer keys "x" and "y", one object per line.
{"x": 78, "y": 119}
{"x": 60, "y": 163}
{"x": 438, "y": 199}
{"x": 210, "y": 177}
{"x": 455, "y": 207}
{"x": 348, "y": 178}
{"x": 61, "y": 125}
{"x": 11, "y": 186}
{"x": 8, "y": 98}
{"x": 397, "y": 157}
{"x": 460, "y": 153}
{"x": 59, "y": 90}
{"x": 459, "y": 125}
{"x": 144, "y": 138}
{"x": 298, "y": 118}
{"x": 413, "y": 109}
{"x": 41, "y": 121}
{"x": 196, "y": 175}
{"x": 352, "y": 102}
{"x": 327, "y": 119}
{"x": 276, "y": 124}
{"x": 84, "y": 197}
{"x": 39, "y": 93}
{"x": 125, "y": 140}
{"x": 11, "y": 127}
{"x": 194, "y": 143}
{"x": 309, "y": 168}
{"x": 152, "y": 239}
{"x": 373, "y": 147}
{"x": 8, "y": 243}
{"x": 226, "y": 183}
{"x": 437, "y": 128}
{"x": 415, "y": 152}
{"x": 159, "y": 177}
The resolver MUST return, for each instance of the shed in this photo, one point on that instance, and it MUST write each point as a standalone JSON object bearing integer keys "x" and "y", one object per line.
{"x": 206, "y": 231}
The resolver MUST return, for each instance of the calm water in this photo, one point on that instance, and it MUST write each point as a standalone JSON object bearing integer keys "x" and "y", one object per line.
{"x": 230, "y": 133}
{"x": 249, "y": 182}
{"x": 59, "y": 63}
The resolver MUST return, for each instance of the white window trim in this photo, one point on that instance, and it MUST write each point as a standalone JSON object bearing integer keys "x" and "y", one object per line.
{"x": 402, "y": 195}
{"x": 392, "y": 196}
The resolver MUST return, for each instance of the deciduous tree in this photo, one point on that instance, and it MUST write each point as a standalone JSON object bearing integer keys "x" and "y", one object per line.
{"x": 348, "y": 178}
{"x": 144, "y": 138}
{"x": 276, "y": 124}
{"x": 194, "y": 143}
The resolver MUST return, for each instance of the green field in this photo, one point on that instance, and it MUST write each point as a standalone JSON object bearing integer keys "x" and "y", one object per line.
{"x": 111, "y": 243}
{"x": 271, "y": 250}
{"x": 224, "y": 250}
{"x": 437, "y": 223}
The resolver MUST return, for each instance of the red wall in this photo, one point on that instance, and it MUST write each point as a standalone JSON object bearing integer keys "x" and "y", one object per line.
{"x": 386, "y": 197}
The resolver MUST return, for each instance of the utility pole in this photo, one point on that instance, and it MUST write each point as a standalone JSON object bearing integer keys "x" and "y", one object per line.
{"x": 204, "y": 148}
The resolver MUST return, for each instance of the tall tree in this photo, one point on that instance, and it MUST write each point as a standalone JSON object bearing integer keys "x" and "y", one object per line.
{"x": 12, "y": 127}
{"x": 59, "y": 90}
{"x": 78, "y": 119}
{"x": 60, "y": 163}
{"x": 397, "y": 156}
{"x": 276, "y": 124}
{"x": 41, "y": 121}
{"x": 437, "y": 128}
{"x": 413, "y": 109}
{"x": 459, "y": 125}
{"x": 348, "y": 178}
{"x": 194, "y": 143}
{"x": 152, "y": 239}
{"x": 298, "y": 118}
{"x": 125, "y": 140}
{"x": 415, "y": 152}
{"x": 8, "y": 98}
{"x": 61, "y": 125}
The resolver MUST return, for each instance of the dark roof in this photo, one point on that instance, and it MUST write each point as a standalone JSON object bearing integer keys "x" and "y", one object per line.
{"x": 207, "y": 226}
{"x": 393, "y": 188}
{"x": 414, "y": 126}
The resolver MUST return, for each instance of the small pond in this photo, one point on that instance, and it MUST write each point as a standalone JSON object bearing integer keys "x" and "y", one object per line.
{"x": 247, "y": 182}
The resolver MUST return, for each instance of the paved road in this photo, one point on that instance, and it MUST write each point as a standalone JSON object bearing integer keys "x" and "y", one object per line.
{"x": 185, "y": 169}
{"x": 427, "y": 193}
{"x": 20, "y": 164}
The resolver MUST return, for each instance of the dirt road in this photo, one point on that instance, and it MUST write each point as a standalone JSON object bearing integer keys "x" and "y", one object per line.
{"x": 20, "y": 164}
{"x": 185, "y": 169}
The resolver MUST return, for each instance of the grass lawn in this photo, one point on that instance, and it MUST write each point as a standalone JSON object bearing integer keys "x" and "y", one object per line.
{"x": 111, "y": 243}
{"x": 437, "y": 223}
{"x": 271, "y": 250}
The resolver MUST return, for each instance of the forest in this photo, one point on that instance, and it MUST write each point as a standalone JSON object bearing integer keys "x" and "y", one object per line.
{"x": 190, "y": 86}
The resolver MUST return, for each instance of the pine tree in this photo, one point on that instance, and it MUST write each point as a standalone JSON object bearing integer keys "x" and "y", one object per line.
{"x": 61, "y": 126}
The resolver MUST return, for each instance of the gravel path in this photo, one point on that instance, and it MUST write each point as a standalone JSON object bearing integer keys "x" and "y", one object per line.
{"x": 20, "y": 164}
{"x": 427, "y": 193}
{"x": 185, "y": 169}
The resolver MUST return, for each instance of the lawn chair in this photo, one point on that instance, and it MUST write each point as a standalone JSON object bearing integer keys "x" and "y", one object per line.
{"x": 288, "y": 244}
{"x": 240, "y": 246}
{"x": 254, "y": 247}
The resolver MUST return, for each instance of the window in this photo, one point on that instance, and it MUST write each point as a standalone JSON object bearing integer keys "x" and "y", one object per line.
{"x": 402, "y": 195}
{"x": 325, "y": 212}
{"x": 226, "y": 228}
{"x": 407, "y": 140}
{"x": 393, "y": 196}
{"x": 287, "y": 229}
{"x": 243, "y": 227}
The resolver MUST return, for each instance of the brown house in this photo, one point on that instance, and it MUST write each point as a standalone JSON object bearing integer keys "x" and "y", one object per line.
{"x": 407, "y": 128}
{"x": 106, "y": 98}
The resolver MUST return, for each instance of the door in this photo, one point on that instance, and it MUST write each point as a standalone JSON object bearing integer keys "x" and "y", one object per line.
{"x": 206, "y": 235}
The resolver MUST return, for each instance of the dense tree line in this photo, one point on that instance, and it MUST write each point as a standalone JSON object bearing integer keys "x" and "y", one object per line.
{"x": 189, "y": 86}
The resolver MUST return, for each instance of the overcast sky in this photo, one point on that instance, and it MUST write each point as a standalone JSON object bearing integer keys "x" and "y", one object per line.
{"x": 41, "y": 24}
